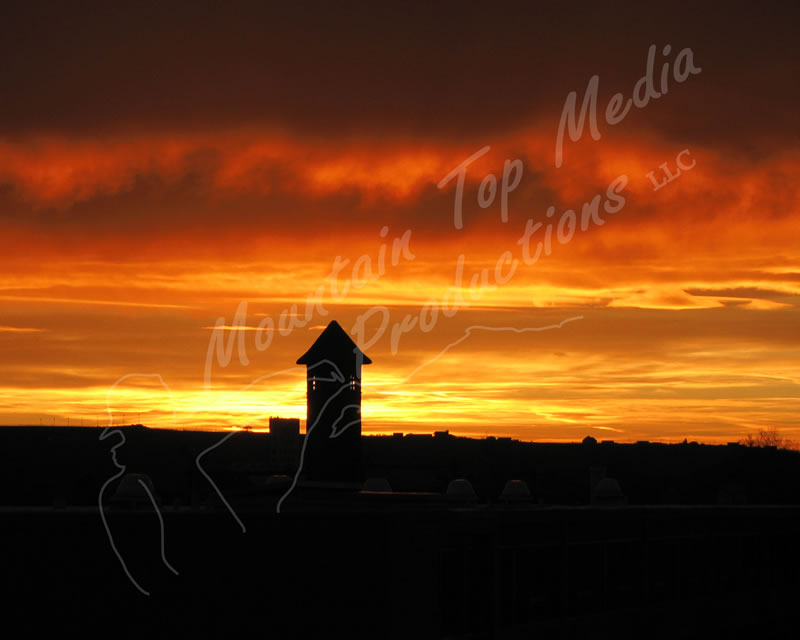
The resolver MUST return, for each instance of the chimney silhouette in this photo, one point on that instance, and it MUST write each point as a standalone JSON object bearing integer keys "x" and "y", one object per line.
{"x": 333, "y": 420}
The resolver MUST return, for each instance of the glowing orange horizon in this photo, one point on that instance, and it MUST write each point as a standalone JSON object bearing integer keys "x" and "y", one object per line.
{"x": 689, "y": 294}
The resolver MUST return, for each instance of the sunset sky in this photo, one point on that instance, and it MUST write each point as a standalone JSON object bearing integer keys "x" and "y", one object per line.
{"x": 161, "y": 169}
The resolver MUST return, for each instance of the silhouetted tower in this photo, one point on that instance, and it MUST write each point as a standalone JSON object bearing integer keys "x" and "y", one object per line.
{"x": 333, "y": 421}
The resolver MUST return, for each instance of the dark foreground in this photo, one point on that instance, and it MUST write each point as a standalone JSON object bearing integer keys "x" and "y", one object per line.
{"x": 371, "y": 566}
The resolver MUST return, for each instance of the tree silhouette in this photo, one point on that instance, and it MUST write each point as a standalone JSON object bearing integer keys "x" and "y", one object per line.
{"x": 768, "y": 438}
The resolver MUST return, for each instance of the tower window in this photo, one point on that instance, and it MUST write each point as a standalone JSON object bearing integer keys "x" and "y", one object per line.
{"x": 313, "y": 383}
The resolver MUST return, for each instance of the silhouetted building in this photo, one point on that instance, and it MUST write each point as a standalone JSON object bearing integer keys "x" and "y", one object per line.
{"x": 284, "y": 427}
{"x": 285, "y": 442}
{"x": 333, "y": 425}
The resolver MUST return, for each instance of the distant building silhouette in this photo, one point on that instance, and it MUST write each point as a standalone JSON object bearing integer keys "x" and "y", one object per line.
{"x": 285, "y": 442}
{"x": 284, "y": 427}
{"x": 333, "y": 423}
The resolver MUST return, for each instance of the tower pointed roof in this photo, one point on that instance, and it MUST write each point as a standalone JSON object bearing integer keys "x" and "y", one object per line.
{"x": 332, "y": 344}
